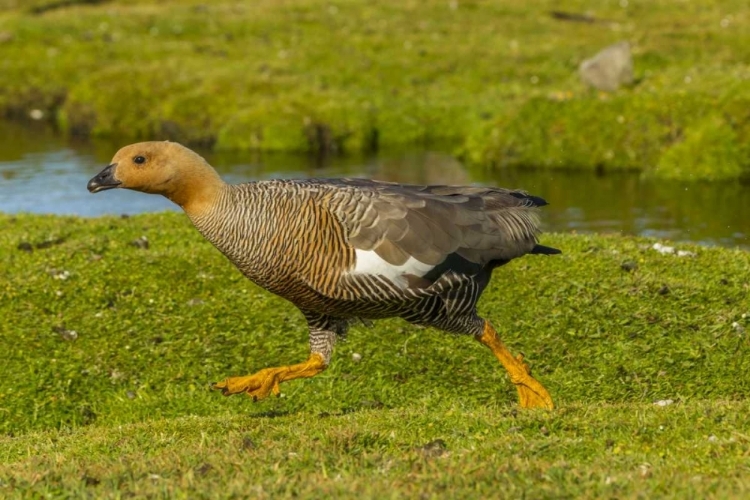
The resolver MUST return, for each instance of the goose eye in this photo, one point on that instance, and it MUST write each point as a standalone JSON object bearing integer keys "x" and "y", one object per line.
{"x": 139, "y": 160}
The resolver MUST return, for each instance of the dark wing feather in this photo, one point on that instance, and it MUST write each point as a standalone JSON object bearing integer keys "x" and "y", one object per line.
{"x": 432, "y": 223}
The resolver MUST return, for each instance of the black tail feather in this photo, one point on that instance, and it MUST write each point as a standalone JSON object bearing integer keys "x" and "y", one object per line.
{"x": 531, "y": 200}
{"x": 542, "y": 250}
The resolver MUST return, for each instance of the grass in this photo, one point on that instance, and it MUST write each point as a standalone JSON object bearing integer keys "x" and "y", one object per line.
{"x": 495, "y": 80}
{"x": 122, "y": 407}
{"x": 429, "y": 450}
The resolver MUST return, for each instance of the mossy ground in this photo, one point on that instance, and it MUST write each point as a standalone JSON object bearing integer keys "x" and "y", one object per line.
{"x": 497, "y": 79}
{"x": 124, "y": 407}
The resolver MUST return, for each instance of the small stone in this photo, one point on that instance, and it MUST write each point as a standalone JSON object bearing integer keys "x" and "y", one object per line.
{"x": 141, "y": 242}
{"x": 203, "y": 469}
{"x": 130, "y": 395}
{"x": 664, "y": 402}
{"x": 248, "y": 444}
{"x": 712, "y": 438}
{"x": 61, "y": 275}
{"x": 356, "y": 357}
{"x": 36, "y": 114}
{"x": 686, "y": 253}
{"x": 645, "y": 470}
{"x": 433, "y": 449}
{"x": 49, "y": 243}
{"x": 629, "y": 266}
{"x": 663, "y": 249}
{"x": 90, "y": 481}
{"x": 66, "y": 334}
{"x": 609, "y": 69}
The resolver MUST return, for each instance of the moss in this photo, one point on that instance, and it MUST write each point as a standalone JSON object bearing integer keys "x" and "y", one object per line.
{"x": 355, "y": 76}
{"x": 311, "y": 123}
{"x": 709, "y": 151}
{"x": 676, "y": 135}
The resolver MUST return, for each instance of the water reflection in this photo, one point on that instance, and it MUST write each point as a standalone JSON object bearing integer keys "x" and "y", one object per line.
{"x": 42, "y": 173}
{"x": 705, "y": 212}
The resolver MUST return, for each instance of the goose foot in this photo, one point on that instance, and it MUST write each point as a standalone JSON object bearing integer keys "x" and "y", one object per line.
{"x": 259, "y": 385}
{"x": 531, "y": 394}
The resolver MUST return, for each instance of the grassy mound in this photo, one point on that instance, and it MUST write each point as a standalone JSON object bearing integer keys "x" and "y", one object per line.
{"x": 667, "y": 134}
{"x": 110, "y": 341}
{"x": 498, "y": 78}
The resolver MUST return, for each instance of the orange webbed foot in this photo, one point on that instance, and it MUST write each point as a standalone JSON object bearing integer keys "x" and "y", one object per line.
{"x": 259, "y": 385}
{"x": 531, "y": 394}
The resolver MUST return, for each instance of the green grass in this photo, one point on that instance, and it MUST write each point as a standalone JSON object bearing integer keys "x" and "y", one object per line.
{"x": 495, "y": 80}
{"x": 429, "y": 450}
{"x": 125, "y": 409}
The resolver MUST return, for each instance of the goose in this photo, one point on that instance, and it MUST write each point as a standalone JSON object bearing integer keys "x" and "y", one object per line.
{"x": 342, "y": 250}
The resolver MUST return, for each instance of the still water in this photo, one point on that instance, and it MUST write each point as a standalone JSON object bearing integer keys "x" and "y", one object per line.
{"x": 43, "y": 173}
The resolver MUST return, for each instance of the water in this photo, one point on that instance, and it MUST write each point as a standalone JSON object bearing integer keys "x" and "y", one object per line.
{"x": 43, "y": 173}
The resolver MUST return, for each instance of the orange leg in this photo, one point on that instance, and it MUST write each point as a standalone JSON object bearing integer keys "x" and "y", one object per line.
{"x": 266, "y": 381}
{"x": 531, "y": 394}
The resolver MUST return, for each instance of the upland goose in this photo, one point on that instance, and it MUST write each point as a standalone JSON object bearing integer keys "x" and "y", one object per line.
{"x": 342, "y": 249}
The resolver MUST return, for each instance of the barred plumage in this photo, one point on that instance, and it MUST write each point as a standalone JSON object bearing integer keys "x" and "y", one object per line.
{"x": 341, "y": 249}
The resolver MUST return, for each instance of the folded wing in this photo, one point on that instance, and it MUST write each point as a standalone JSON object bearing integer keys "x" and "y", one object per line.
{"x": 414, "y": 234}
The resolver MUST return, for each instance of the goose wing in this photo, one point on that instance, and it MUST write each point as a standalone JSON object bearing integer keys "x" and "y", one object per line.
{"x": 414, "y": 234}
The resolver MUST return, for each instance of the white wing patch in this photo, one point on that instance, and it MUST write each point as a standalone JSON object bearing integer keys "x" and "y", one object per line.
{"x": 369, "y": 262}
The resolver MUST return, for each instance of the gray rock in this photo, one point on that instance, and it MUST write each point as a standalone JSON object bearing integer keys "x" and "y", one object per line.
{"x": 609, "y": 69}
{"x": 629, "y": 266}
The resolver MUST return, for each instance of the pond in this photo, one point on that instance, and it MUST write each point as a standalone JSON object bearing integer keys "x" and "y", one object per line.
{"x": 41, "y": 172}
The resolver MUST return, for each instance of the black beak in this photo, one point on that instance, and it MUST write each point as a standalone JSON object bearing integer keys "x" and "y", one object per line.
{"x": 104, "y": 180}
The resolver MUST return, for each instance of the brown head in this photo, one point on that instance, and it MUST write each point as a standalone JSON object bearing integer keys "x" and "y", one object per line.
{"x": 165, "y": 168}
